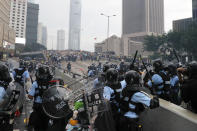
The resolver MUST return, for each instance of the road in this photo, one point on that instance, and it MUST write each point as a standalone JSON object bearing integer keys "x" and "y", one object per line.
{"x": 77, "y": 67}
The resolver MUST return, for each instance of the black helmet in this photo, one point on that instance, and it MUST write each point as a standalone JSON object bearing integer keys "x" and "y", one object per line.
{"x": 192, "y": 69}
{"x": 132, "y": 77}
{"x": 5, "y": 74}
{"x": 106, "y": 67}
{"x": 172, "y": 69}
{"x": 112, "y": 76}
{"x": 43, "y": 75}
{"x": 158, "y": 65}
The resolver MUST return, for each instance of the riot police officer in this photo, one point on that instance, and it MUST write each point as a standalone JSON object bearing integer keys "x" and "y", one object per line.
{"x": 21, "y": 74}
{"x": 160, "y": 81}
{"x": 188, "y": 88}
{"x": 132, "y": 102}
{"x": 38, "y": 120}
{"x": 6, "y": 122}
{"x": 99, "y": 82}
{"x": 112, "y": 91}
{"x": 174, "y": 82}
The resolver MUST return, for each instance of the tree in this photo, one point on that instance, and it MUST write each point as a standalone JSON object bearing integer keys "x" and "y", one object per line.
{"x": 182, "y": 42}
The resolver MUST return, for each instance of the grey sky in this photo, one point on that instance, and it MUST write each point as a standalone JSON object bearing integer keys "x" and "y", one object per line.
{"x": 55, "y": 15}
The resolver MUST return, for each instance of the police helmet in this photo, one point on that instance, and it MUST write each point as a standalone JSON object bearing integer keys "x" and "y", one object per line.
{"x": 106, "y": 67}
{"x": 112, "y": 76}
{"x": 158, "y": 65}
{"x": 172, "y": 69}
{"x": 192, "y": 69}
{"x": 22, "y": 64}
{"x": 5, "y": 74}
{"x": 43, "y": 75}
{"x": 132, "y": 77}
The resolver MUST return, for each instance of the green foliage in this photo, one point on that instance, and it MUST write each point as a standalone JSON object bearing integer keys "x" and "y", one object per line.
{"x": 184, "y": 41}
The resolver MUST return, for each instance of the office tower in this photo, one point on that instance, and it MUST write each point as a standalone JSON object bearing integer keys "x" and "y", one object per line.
{"x": 75, "y": 25}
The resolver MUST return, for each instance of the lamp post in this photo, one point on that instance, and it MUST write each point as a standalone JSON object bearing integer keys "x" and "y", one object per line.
{"x": 108, "y": 17}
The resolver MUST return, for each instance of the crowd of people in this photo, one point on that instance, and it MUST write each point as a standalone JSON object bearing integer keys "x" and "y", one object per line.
{"x": 125, "y": 86}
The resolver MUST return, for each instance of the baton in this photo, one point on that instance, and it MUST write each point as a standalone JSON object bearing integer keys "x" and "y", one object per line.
{"x": 135, "y": 57}
{"x": 154, "y": 92}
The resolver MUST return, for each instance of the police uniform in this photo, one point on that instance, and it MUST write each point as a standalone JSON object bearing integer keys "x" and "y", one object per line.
{"x": 123, "y": 84}
{"x": 25, "y": 75}
{"x": 174, "y": 82}
{"x": 2, "y": 93}
{"x": 158, "y": 82}
{"x": 38, "y": 119}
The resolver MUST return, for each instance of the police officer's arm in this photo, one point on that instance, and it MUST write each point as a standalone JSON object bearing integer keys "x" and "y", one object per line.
{"x": 27, "y": 76}
{"x": 146, "y": 100}
{"x": 107, "y": 93}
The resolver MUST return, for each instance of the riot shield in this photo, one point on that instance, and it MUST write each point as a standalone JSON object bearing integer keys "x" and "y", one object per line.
{"x": 100, "y": 115}
{"x": 55, "y": 102}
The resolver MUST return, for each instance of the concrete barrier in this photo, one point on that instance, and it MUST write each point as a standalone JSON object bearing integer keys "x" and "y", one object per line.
{"x": 168, "y": 117}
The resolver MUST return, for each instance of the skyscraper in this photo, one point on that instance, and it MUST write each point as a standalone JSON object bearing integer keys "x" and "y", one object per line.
{"x": 42, "y": 35}
{"x": 18, "y": 13}
{"x": 60, "y": 40}
{"x": 75, "y": 25}
{"x": 194, "y": 8}
{"x": 140, "y": 18}
{"x": 143, "y": 16}
{"x": 32, "y": 23}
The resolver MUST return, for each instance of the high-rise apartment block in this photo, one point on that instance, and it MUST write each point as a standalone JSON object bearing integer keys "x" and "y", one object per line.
{"x": 18, "y": 15}
{"x": 7, "y": 34}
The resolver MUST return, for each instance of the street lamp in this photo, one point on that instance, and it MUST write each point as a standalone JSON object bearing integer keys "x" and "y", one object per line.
{"x": 108, "y": 16}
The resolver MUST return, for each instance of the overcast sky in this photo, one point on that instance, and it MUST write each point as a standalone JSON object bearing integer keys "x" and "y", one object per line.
{"x": 55, "y": 15}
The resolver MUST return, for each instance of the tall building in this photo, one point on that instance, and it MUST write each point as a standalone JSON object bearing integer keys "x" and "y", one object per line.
{"x": 112, "y": 44}
{"x": 18, "y": 15}
{"x": 143, "y": 16}
{"x": 140, "y": 18}
{"x": 7, "y": 34}
{"x": 60, "y": 40}
{"x": 185, "y": 24}
{"x": 39, "y": 36}
{"x": 32, "y": 23}
{"x": 194, "y": 8}
{"x": 75, "y": 25}
{"x": 182, "y": 24}
{"x": 42, "y": 35}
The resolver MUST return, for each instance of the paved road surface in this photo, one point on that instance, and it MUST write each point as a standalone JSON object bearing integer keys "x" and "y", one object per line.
{"x": 19, "y": 123}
